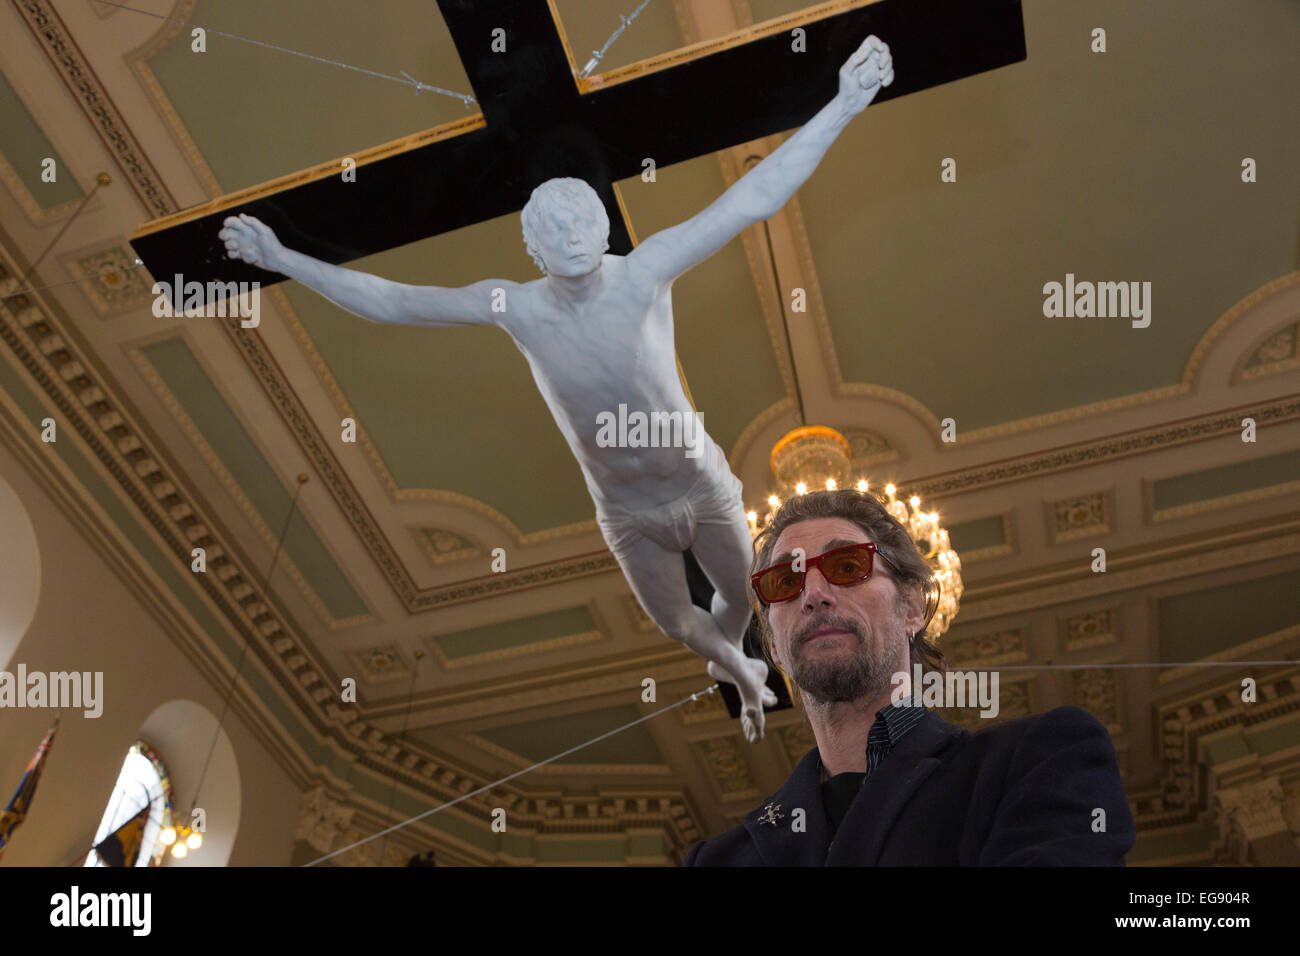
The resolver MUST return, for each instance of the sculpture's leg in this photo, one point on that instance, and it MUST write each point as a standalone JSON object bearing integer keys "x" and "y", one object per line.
{"x": 724, "y": 552}
{"x": 658, "y": 579}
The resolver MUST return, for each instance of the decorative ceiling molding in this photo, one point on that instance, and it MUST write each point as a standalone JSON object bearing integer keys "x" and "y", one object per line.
{"x": 1277, "y": 352}
{"x": 1080, "y": 516}
{"x": 509, "y": 653}
{"x": 214, "y": 463}
{"x": 112, "y": 282}
{"x": 1090, "y": 629}
{"x": 519, "y": 762}
{"x": 38, "y": 214}
{"x": 1265, "y": 292}
{"x": 1114, "y": 447}
{"x": 318, "y": 450}
{"x": 138, "y": 60}
{"x": 89, "y": 92}
{"x": 1181, "y": 797}
{"x": 87, "y": 403}
{"x": 443, "y": 546}
{"x": 397, "y": 493}
{"x": 1204, "y": 505}
{"x": 1132, "y": 568}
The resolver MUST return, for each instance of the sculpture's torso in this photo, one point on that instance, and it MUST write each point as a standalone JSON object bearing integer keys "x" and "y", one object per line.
{"x": 616, "y": 348}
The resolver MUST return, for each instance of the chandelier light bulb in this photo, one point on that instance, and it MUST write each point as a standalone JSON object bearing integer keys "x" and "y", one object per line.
{"x": 773, "y": 501}
{"x": 830, "y": 484}
{"x": 194, "y": 840}
{"x": 168, "y": 836}
{"x": 179, "y": 851}
{"x": 915, "y": 502}
{"x": 889, "y": 490}
{"x": 800, "y": 488}
{"x": 862, "y": 486}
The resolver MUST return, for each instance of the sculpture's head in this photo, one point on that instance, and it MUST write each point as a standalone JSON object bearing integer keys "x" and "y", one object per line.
{"x": 566, "y": 228}
{"x": 843, "y": 641}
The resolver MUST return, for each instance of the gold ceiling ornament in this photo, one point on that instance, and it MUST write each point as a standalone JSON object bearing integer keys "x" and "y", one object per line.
{"x": 814, "y": 457}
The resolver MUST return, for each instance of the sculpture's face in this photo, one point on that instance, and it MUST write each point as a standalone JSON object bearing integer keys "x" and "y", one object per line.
{"x": 838, "y": 643}
{"x": 570, "y": 242}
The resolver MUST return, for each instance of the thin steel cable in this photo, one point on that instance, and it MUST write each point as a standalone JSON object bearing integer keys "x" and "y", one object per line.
{"x": 598, "y": 55}
{"x": 517, "y": 773}
{"x": 55, "y": 285}
{"x": 1104, "y": 667}
{"x": 467, "y": 100}
{"x": 59, "y": 235}
{"x": 714, "y": 687}
{"x": 234, "y": 678}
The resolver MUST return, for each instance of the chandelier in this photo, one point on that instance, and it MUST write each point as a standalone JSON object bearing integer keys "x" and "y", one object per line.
{"x": 181, "y": 839}
{"x": 814, "y": 457}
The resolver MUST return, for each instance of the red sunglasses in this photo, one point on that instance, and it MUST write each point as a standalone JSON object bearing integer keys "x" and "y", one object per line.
{"x": 840, "y": 566}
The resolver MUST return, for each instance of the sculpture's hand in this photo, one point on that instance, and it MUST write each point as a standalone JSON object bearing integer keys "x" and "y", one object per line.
{"x": 864, "y": 73}
{"x": 251, "y": 240}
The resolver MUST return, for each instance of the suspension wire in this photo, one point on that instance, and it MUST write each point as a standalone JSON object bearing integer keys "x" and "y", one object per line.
{"x": 517, "y": 773}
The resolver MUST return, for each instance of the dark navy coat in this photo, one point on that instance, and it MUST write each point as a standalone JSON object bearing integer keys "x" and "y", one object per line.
{"x": 1023, "y": 793}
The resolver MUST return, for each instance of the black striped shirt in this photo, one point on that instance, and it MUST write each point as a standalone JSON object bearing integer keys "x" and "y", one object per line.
{"x": 890, "y": 726}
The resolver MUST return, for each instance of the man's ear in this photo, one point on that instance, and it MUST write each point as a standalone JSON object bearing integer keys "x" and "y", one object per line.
{"x": 915, "y": 608}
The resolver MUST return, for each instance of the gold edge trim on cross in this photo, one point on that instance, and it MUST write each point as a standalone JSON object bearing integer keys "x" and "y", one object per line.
{"x": 314, "y": 173}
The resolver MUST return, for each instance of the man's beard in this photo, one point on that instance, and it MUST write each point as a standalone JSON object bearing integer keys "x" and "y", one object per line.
{"x": 835, "y": 678}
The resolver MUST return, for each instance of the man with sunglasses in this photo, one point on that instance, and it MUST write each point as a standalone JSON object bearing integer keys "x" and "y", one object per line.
{"x": 841, "y": 596}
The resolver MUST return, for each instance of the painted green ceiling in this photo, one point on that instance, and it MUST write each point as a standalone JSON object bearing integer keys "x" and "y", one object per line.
{"x": 977, "y": 535}
{"x": 1225, "y": 480}
{"x": 256, "y": 114}
{"x": 25, "y": 145}
{"x": 722, "y": 338}
{"x": 506, "y": 635}
{"x": 202, "y": 401}
{"x": 1122, "y": 166}
{"x": 452, "y": 408}
{"x": 1195, "y": 625}
{"x": 539, "y": 739}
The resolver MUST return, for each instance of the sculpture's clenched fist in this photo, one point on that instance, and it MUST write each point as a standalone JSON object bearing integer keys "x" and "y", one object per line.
{"x": 251, "y": 240}
{"x": 863, "y": 74}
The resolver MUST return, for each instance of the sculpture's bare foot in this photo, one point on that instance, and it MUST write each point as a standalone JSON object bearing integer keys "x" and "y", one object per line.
{"x": 718, "y": 672}
{"x": 754, "y": 694}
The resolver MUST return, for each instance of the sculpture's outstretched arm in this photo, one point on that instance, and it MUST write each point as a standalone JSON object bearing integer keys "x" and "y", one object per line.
{"x": 363, "y": 294}
{"x": 762, "y": 191}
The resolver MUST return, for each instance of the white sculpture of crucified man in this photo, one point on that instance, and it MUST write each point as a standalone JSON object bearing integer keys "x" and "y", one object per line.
{"x": 597, "y": 331}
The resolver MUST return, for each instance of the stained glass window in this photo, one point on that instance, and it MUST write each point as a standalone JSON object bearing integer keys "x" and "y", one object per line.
{"x": 143, "y": 782}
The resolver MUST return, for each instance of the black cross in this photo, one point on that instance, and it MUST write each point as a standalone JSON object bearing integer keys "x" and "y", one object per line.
{"x": 539, "y": 124}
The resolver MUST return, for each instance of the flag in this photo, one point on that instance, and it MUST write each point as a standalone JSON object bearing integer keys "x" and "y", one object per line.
{"x": 16, "y": 811}
{"x": 122, "y": 846}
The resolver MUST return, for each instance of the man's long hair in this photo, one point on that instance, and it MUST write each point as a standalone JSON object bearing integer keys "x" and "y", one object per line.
{"x": 903, "y": 564}
{"x": 555, "y": 194}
